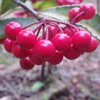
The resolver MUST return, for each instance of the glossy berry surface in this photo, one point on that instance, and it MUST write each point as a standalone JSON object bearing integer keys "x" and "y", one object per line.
{"x": 61, "y": 41}
{"x": 35, "y": 59}
{"x": 26, "y": 39}
{"x": 89, "y": 11}
{"x": 19, "y": 52}
{"x": 12, "y": 29}
{"x": 73, "y": 13}
{"x": 8, "y": 45}
{"x": 81, "y": 39}
{"x": 57, "y": 58}
{"x": 26, "y": 64}
{"x": 53, "y": 30}
{"x": 44, "y": 49}
{"x": 72, "y": 53}
{"x": 93, "y": 45}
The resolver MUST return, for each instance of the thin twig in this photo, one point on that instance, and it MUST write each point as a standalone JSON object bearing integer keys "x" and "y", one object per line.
{"x": 10, "y": 88}
{"x": 42, "y": 72}
{"x": 32, "y": 11}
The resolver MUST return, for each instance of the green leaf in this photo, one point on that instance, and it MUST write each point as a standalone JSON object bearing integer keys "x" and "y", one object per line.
{"x": 44, "y": 4}
{"x": 23, "y": 21}
{"x": 37, "y": 85}
{"x": 7, "y": 5}
{"x": 61, "y": 13}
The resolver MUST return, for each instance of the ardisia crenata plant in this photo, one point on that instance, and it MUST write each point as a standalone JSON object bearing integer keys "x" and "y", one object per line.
{"x": 52, "y": 38}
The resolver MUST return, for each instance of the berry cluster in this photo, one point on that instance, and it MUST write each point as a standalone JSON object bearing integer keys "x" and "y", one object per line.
{"x": 68, "y": 2}
{"x": 48, "y": 41}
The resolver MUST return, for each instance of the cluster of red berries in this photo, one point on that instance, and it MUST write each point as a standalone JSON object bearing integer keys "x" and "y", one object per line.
{"x": 68, "y": 2}
{"x": 49, "y": 41}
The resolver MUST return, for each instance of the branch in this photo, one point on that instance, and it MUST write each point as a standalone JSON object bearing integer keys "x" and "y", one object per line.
{"x": 33, "y": 12}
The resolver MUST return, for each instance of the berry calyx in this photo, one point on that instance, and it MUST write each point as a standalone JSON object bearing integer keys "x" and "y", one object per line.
{"x": 89, "y": 11}
{"x": 44, "y": 49}
{"x": 61, "y": 41}
{"x": 26, "y": 64}
{"x": 26, "y": 39}
{"x": 12, "y": 29}
{"x": 81, "y": 39}
{"x": 93, "y": 45}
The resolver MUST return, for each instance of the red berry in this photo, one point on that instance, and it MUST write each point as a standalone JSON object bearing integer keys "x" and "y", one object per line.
{"x": 26, "y": 39}
{"x": 93, "y": 45}
{"x": 89, "y": 11}
{"x": 35, "y": 59}
{"x": 60, "y": 2}
{"x": 72, "y": 53}
{"x": 69, "y": 2}
{"x": 33, "y": 1}
{"x": 53, "y": 30}
{"x": 44, "y": 49}
{"x": 81, "y": 39}
{"x": 61, "y": 41}
{"x": 8, "y": 45}
{"x": 12, "y": 29}
{"x": 2, "y": 40}
{"x": 73, "y": 13}
{"x": 20, "y": 52}
{"x": 56, "y": 59}
{"x": 26, "y": 64}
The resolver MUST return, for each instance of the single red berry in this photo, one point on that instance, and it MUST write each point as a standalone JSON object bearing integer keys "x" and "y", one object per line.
{"x": 44, "y": 49}
{"x": 26, "y": 39}
{"x": 81, "y": 39}
{"x": 69, "y": 2}
{"x": 61, "y": 41}
{"x": 93, "y": 45}
{"x": 12, "y": 29}
{"x": 72, "y": 53}
{"x": 26, "y": 64}
{"x": 35, "y": 59}
{"x": 8, "y": 45}
{"x": 53, "y": 30}
{"x": 89, "y": 11}
{"x": 2, "y": 40}
{"x": 20, "y": 52}
{"x": 57, "y": 58}
{"x": 73, "y": 13}
{"x": 60, "y": 2}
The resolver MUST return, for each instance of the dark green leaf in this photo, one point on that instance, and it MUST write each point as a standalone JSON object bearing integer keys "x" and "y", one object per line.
{"x": 7, "y": 5}
{"x": 37, "y": 85}
{"x": 23, "y": 21}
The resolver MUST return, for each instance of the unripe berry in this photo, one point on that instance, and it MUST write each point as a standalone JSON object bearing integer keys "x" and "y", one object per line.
{"x": 26, "y": 39}
{"x": 81, "y": 39}
{"x": 12, "y": 29}
{"x": 61, "y": 41}
{"x": 44, "y": 49}
{"x": 26, "y": 64}
{"x": 93, "y": 45}
{"x": 8, "y": 45}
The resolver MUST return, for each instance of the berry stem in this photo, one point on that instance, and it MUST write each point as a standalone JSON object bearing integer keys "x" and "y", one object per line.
{"x": 32, "y": 24}
{"x": 81, "y": 13}
{"x": 68, "y": 24}
{"x": 33, "y": 12}
{"x": 42, "y": 72}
